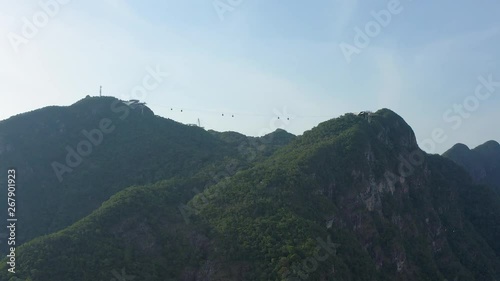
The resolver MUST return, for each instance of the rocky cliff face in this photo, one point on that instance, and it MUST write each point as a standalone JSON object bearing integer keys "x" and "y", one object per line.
{"x": 385, "y": 196}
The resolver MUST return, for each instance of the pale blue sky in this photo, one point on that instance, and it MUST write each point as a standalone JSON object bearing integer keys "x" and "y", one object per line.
{"x": 264, "y": 57}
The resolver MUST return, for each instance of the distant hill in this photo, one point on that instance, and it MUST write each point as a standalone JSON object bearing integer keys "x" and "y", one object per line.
{"x": 482, "y": 162}
{"x": 352, "y": 199}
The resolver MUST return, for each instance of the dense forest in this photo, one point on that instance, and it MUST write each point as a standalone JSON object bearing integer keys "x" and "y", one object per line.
{"x": 352, "y": 199}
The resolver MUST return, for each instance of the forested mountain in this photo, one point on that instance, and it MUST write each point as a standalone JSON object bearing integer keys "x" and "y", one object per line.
{"x": 71, "y": 159}
{"x": 482, "y": 162}
{"x": 352, "y": 199}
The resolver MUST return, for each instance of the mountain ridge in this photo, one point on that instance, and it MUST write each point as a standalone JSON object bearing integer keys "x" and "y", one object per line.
{"x": 68, "y": 165}
{"x": 482, "y": 162}
{"x": 358, "y": 183}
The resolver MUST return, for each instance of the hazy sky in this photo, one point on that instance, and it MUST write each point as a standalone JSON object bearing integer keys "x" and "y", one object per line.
{"x": 258, "y": 59}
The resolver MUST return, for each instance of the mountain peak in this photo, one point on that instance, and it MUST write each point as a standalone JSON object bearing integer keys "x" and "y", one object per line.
{"x": 460, "y": 154}
{"x": 384, "y": 124}
{"x": 489, "y": 149}
{"x": 460, "y": 147}
{"x": 492, "y": 144}
{"x": 107, "y": 104}
{"x": 279, "y": 134}
{"x": 392, "y": 129}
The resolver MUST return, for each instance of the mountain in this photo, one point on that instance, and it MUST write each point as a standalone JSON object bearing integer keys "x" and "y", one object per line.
{"x": 352, "y": 199}
{"x": 482, "y": 162}
{"x": 70, "y": 160}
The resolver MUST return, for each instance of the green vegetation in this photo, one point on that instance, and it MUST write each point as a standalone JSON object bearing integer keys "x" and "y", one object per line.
{"x": 269, "y": 214}
{"x": 142, "y": 149}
